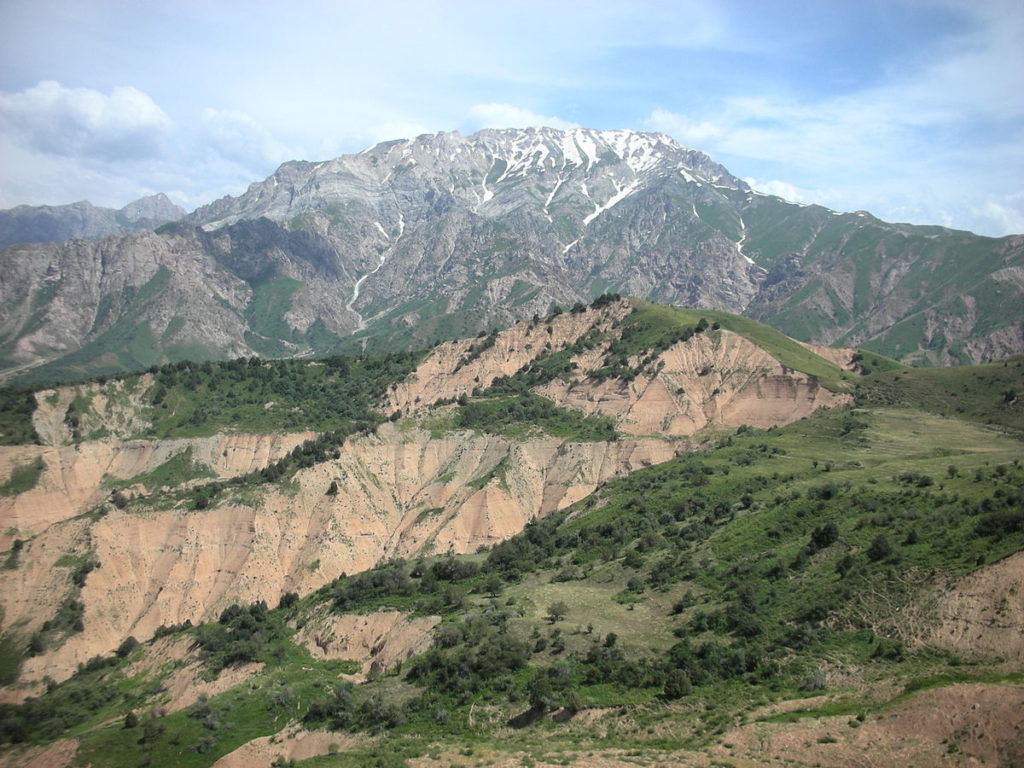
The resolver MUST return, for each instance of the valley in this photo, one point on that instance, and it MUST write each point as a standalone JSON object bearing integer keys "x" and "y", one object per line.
{"x": 512, "y": 385}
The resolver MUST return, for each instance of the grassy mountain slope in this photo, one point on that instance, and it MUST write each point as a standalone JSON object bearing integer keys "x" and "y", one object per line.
{"x": 909, "y": 292}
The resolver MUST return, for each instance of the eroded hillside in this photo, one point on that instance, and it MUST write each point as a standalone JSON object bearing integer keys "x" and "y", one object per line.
{"x": 147, "y": 533}
{"x": 644, "y": 531}
{"x": 747, "y": 604}
{"x": 636, "y": 368}
{"x": 403, "y": 494}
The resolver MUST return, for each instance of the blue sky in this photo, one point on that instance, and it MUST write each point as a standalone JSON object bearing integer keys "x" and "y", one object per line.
{"x": 911, "y": 110}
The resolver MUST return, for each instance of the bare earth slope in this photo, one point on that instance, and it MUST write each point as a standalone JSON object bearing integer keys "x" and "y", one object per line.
{"x": 959, "y": 725}
{"x": 713, "y": 379}
{"x": 75, "y": 479}
{"x": 984, "y": 611}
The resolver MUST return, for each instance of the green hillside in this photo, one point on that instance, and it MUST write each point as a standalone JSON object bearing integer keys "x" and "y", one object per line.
{"x": 686, "y": 594}
{"x": 769, "y": 576}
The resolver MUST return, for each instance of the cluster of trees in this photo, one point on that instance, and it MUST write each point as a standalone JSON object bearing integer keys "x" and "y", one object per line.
{"x": 469, "y": 657}
{"x": 499, "y": 414}
{"x": 438, "y": 588}
{"x": 241, "y": 634}
{"x": 348, "y": 708}
{"x": 326, "y": 394}
{"x": 63, "y": 707}
{"x": 16, "y": 408}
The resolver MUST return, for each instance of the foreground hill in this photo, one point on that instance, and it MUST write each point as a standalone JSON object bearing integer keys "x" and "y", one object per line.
{"x": 646, "y": 575}
{"x": 164, "y": 479}
{"x": 443, "y": 236}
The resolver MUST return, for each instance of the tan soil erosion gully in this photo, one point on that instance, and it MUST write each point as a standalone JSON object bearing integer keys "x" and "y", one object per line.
{"x": 405, "y": 493}
{"x": 404, "y": 490}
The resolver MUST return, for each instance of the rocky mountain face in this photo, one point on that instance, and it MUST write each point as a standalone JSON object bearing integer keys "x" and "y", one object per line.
{"x": 57, "y": 223}
{"x": 444, "y": 235}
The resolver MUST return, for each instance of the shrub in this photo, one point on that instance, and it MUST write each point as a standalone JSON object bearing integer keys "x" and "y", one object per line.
{"x": 880, "y": 549}
{"x": 677, "y": 685}
{"x": 127, "y": 645}
{"x": 557, "y": 611}
{"x": 823, "y": 536}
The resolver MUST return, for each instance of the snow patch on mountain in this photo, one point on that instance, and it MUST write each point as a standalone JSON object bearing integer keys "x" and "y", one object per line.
{"x": 743, "y": 238}
{"x": 621, "y": 193}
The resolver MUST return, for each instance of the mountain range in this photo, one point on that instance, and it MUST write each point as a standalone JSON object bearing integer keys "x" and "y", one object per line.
{"x": 57, "y": 223}
{"x": 414, "y": 241}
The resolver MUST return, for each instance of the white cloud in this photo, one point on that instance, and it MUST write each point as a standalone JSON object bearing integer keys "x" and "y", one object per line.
{"x": 61, "y": 144}
{"x": 1006, "y": 214}
{"x": 695, "y": 134}
{"x": 920, "y": 131}
{"x": 785, "y": 190}
{"x": 896, "y": 147}
{"x": 239, "y": 138}
{"x": 510, "y": 116}
{"x": 54, "y": 120}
